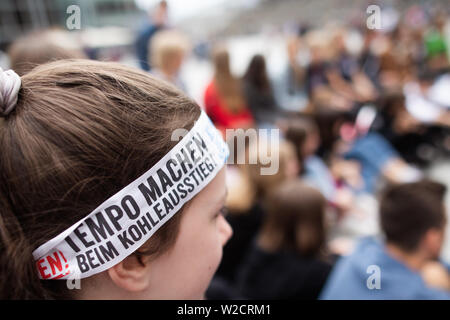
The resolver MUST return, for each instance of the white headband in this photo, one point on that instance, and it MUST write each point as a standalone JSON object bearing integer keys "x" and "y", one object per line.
{"x": 125, "y": 221}
{"x": 9, "y": 89}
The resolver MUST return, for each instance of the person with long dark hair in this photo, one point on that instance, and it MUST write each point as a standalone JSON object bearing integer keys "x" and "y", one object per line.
{"x": 258, "y": 92}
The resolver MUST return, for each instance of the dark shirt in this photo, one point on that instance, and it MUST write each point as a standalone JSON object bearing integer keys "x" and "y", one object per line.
{"x": 245, "y": 227}
{"x": 407, "y": 144}
{"x": 281, "y": 275}
{"x": 370, "y": 65}
{"x": 262, "y": 104}
{"x": 316, "y": 76}
{"x": 348, "y": 66}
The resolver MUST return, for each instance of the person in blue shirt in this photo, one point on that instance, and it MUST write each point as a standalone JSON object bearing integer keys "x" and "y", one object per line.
{"x": 412, "y": 218}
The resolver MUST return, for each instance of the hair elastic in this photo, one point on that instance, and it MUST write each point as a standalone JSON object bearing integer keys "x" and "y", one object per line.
{"x": 9, "y": 89}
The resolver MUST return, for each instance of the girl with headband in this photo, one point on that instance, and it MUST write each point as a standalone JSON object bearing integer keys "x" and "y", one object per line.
{"x": 109, "y": 176}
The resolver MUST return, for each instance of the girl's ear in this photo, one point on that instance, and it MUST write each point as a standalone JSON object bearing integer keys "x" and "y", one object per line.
{"x": 131, "y": 274}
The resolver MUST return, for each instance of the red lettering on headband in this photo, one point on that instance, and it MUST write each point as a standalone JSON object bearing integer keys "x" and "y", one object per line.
{"x": 42, "y": 269}
{"x": 53, "y": 261}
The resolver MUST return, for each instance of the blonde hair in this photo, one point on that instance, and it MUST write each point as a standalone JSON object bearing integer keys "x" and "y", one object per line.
{"x": 165, "y": 45}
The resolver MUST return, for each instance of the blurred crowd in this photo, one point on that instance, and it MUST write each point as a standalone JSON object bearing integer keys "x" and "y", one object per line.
{"x": 362, "y": 114}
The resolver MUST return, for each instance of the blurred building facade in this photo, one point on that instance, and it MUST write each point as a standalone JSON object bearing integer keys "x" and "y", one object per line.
{"x": 20, "y": 16}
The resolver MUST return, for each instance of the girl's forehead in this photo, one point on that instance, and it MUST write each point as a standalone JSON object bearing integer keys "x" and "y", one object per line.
{"x": 217, "y": 189}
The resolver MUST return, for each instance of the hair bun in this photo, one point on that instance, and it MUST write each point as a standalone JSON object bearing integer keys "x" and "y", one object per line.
{"x": 9, "y": 89}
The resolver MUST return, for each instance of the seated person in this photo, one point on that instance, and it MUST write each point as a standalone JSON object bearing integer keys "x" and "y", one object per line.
{"x": 413, "y": 221}
{"x": 258, "y": 93}
{"x": 286, "y": 260}
{"x": 336, "y": 179}
{"x": 247, "y": 191}
{"x": 224, "y": 100}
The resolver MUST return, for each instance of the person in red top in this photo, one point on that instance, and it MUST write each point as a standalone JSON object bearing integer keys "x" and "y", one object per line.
{"x": 224, "y": 101}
